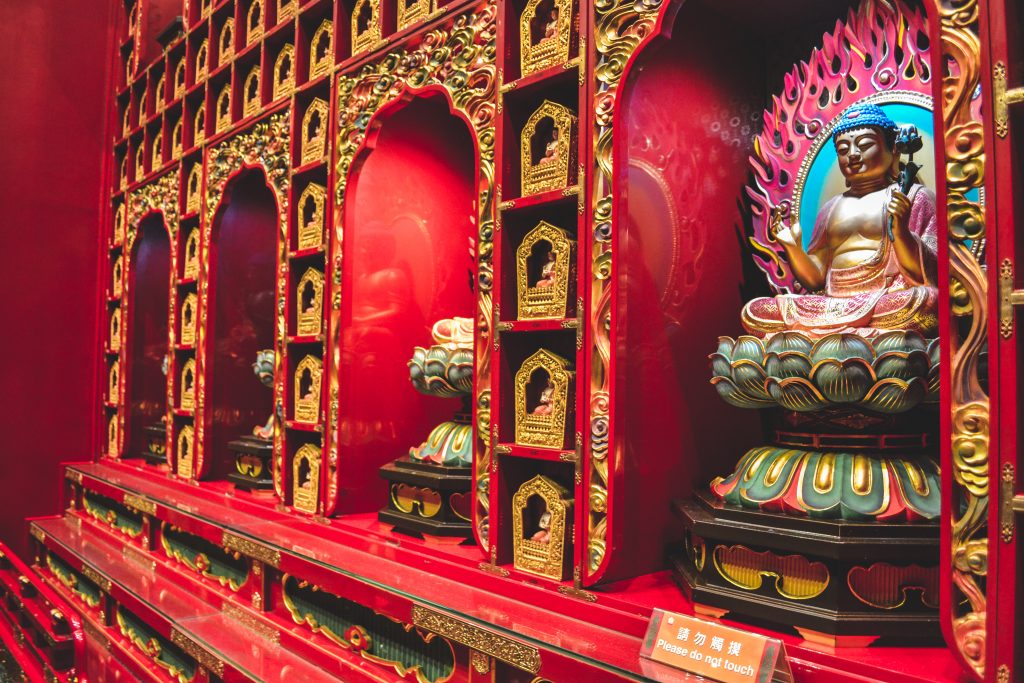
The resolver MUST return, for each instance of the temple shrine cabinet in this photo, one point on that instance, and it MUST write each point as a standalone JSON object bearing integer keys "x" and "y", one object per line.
{"x": 446, "y": 340}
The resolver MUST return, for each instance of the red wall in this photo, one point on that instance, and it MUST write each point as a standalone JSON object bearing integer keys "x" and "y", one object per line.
{"x": 53, "y": 68}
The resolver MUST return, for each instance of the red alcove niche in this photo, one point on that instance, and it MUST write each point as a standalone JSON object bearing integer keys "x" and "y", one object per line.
{"x": 240, "y": 317}
{"x": 410, "y": 213}
{"x": 147, "y": 335}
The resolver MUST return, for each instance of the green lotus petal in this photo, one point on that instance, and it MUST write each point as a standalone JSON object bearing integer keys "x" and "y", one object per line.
{"x": 720, "y": 366}
{"x": 902, "y": 365}
{"x": 841, "y": 347}
{"x": 790, "y": 341}
{"x": 749, "y": 377}
{"x": 899, "y": 340}
{"x": 732, "y": 394}
{"x": 795, "y": 393}
{"x": 934, "y": 351}
{"x": 787, "y": 364}
{"x": 725, "y": 346}
{"x": 845, "y": 381}
{"x": 892, "y": 395}
{"x": 748, "y": 348}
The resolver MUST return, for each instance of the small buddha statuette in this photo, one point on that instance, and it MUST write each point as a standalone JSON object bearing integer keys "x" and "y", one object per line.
{"x": 547, "y": 271}
{"x": 551, "y": 148}
{"x": 551, "y": 27}
{"x": 543, "y": 533}
{"x": 546, "y": 401}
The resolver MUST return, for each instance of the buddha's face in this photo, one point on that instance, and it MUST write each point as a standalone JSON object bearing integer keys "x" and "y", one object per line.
{"x": 863, "y": 154}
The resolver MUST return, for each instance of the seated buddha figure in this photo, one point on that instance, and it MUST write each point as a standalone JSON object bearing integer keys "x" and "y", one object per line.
{"x": 862, "y": 277}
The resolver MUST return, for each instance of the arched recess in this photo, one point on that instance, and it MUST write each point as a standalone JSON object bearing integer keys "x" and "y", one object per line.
{"x": 151, "y": 248}
{"x": 467, "y": 76}
{"x": 254, "y": 163}
{"x": 410, "y": 261}
{"x": 622, "y": 29}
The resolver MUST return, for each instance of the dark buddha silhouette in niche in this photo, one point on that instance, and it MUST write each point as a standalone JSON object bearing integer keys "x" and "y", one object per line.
{"x": 540, "y": 393}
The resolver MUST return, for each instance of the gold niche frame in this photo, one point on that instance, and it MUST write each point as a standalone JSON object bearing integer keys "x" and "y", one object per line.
{"x": 160, "y": 92}
{"x": 311, "y": 210}
{"x": 306, "y": 490}
{"x": 548, "y": 173}
{"x": 320, "y": 49}
{"x": 191, "y": 270}
{"x": 140, "y": 163}
{"x": 251, "y": 92}
{"x": 176, "y": 139}
{"x": 199, "y": 126}
{"x": 254, "y": 22}
{"x": 193, "y": 189}
{"x": 123, "y": 173}
{"x": 202, "y": 60}
{"x": 286, "y": 9}
{"x": 545, "y": 429}
{"x": 549, "y": 50}
{"x": 546, "y": 552}
{"x": 551, "y": 301}
{"x": 309, "y": 316}
{"x": 119, "y": 219}
{"x": 112, "y": 440}
{"x": 284, "y": 72}
{"x": 226, "y": 43}
{"x": 307, "y": 404}
{"x": 158, "y": 150}
{"x": 186, "y": 454}
{"x": 187, "y": 401}
{"x": 126, "y": 121}
{"x": 116, "y": 272}
{"x": 179, "y": 79}
{"x": 115, "y": 330}
{"x": 366, "y": 28}
{"x": 206, "y": 7}
{"x": 114, "y": 382}
{"x": 314, "y": 131}
{"x": 188, "y": 319}
{"x": 223, "y": 111}
{"x": 411, "y": 12}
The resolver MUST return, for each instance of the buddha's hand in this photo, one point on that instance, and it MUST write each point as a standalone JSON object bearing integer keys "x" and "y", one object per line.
{"x": 787, "y": 235}
{"x": 899, "y": 209}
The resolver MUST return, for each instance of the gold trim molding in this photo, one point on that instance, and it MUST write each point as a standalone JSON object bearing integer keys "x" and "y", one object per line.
{"x": 519, "y": 655}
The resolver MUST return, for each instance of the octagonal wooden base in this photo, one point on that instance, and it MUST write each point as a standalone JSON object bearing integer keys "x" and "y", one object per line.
{"x": 259, "y": 448}
{"x": 450, "y": 486}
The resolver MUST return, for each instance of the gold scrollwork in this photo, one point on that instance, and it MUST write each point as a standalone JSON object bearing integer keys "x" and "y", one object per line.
{"x": 519, "y": 655}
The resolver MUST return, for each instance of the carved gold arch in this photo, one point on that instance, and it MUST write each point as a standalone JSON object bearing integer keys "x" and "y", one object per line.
{"x": 621, "y": 27}
{"x": 466, "y": 72}
{"x": 265, "y": 145}
{"x": 159, "y": 195}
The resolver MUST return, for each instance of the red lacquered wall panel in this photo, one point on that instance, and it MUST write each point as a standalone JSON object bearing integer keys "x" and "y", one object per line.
{"x": 54, "y": 79}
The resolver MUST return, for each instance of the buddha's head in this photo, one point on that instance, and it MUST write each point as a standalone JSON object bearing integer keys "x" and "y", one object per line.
{"x": 865, "y": 141}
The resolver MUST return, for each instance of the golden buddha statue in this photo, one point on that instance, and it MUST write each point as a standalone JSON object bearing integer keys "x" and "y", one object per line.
{"x": 870, "y": 265}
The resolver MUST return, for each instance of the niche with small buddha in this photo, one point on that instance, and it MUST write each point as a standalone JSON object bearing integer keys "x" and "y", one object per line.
{"x": 306, "y": 479}
{"x": 545, "y": 34}
{"x": 366, "y": 25}
{"x": 112, "y": 437}
{"x": 314, "y": 131}
{"x": 284, "y": 72}
{"x": 251, "y": 92}
{"x": 202, "y": 60}
{"x": 140, "y": 162}
{"x": 176, "y": 139}
{"x": 312, "y": 203}
{"x": 309, "y": 297}
{"x": 115, "y": 330}
{"x": 157, "y": 158}
{"x": 412, "y": 11}
{"x": 187, "y": 400}
{"x": 226, "y": 44}
{"x": 199, "y": 128}
{"x": 254, "y": 22}
{"x": 545, "y": 273}
{"x": 543, "y": 385}
{"x": 123, "y": 174}
{"x": 307, "y": 390}
{"x": 286, "y": 9}
{"x": 194, "y": 185}
{"x": 191, "y": 270}
{"x": 223, "y": 108}
{"x": 119, "y": 218}
{"x": 188, "y": 319}
{"x": 179, "y": 79}
{"x": 542, "y": 528}
{"x": 185, "y": 454}
{"x": 160, "y": 92}
{"x": 548, "y": 149}
{"x": 320, "y": 58}
{"x": 116, "y": 277}
{"x": 114, "y": 383}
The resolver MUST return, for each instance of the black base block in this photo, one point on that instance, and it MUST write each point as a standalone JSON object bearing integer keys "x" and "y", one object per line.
{"x": 255, "y": 448}
{"x": 438, "y": 499}
{"x": 840, "y": 579}
{"x": 155, "y": 452}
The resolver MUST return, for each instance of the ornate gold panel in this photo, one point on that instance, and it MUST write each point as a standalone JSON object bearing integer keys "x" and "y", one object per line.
{"x": 189, "y": 309}
{"x": 540, "y": 544}
{"x": 115, "y": 330}
{"x": 113, "y": 449}
{"x": 114, "y": 382}
{"x": 140, "y": 162}
{"x": 179, "y": 79}
{"x": 366, "y": 26}
{"x": 284, "y": 72}
{"x": 199, "y": 126}
{"x": 191, "y": 270}
{"x": 548, "y": 150}
{"x": 193, "y": 188}
{"x": 309, "y": 302}
{"x": 796, "y": 577}
{"x": 321, "y": 57}
{"x": 176, "y": 139}
{"x": 119, "y": 219}
{"x": 158, "y": 151}
{"x": 312, "y": 210}
{"x": 544, "y": 41}
{"x": 412, "y": 11}
{"x": 307, "y": 390}
{"x": 226, "y": 43}
{"x": 188, "y": 385}
{"x": 251, "y": 92}
{"x": 306, "y": 479}
{"x": 202, "y": 60}
{"x": 286, "y": 9}
{"x": 223, "y": 110}
{"x": 185, "y": 452}
{"x": 541, "y": 411}
{"x": 314, "y": 131}
{"x": 116, "y": 277}
{"x": 254, "y": 22}
{"x": 543, "y": 287}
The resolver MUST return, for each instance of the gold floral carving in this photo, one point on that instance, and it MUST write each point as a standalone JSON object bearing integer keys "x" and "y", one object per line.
{"x": 197, "y": 652}
{"x": 254, "y": 22}
{"x": 264, "y": 145}
{"x": 366, "y": 26}
{"x": 547, "y": 51}
{"x": 542, "y": 171}
{"x": 251, "y": 549}
{"x": 519, "y": 655}
{"x": 548, "y": 558}
{"x": 284, "y": 72}
{"x": 412, "y": 11}
{"x": 312, "y": 210}
{"x": 253, "y": 623}
{"x": 320, "y": 51}
{"x": 251, "y": 92}
{"x": 309, "y": 303}
{"x": 223, "y": 109}
{"x": 227, "y": 41}
{"x": 140, "y": 504}
{"x": 314, "y": 131}
{"x": 551, "y": 301}
{"x": 308, "y": 375}
{"x": 535, "y": 428}
{"x": 306, "y": 488}
{"x": 101, "y": 581}
{"x": 458, "y": 57}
